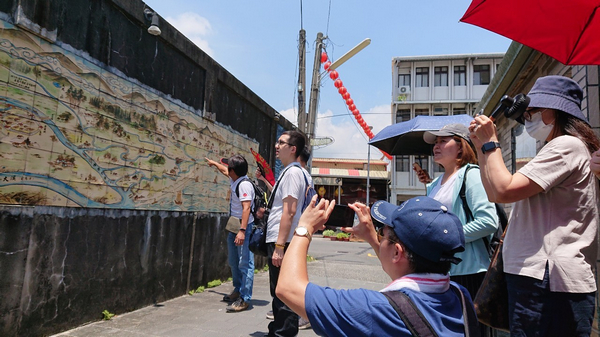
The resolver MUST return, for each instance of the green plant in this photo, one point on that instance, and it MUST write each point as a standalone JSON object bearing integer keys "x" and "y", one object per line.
{"x": 229, "y": 279}
{"x": 328, "y": 232}
{"x": 309, "y": 258}
{"x": 266, "y": 267}
{"x": 107, "y": 315}
{"x": 214, "y": 283}
{"x": 342, "y": 235}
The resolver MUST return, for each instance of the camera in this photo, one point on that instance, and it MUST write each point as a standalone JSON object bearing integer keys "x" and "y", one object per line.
{"x": 513, "y": 108}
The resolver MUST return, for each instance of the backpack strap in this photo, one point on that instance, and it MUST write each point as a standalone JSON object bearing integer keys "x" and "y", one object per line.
{"x": 412, "y": 317}
{"x": 468, "y": 213}
{"x": 469, "y": 316}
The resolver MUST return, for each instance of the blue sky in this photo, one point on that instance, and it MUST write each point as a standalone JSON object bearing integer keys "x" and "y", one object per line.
{"x": 257, "y": 41}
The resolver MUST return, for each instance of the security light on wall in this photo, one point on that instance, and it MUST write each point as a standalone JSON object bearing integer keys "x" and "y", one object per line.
{"x": 153, "y": 18}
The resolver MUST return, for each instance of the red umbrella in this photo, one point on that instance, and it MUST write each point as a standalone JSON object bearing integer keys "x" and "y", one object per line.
{"x": 266, "y": 168}
{"x": 566, "y": 30}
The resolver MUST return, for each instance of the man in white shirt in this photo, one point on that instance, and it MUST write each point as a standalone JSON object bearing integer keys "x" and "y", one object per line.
{"x": 289, "y": 192}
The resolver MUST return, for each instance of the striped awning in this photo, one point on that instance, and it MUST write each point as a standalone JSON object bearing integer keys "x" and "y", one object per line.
{"x": 348, "y": 173}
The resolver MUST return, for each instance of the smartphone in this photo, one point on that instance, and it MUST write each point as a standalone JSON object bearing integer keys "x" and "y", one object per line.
{"x": 341, "y": 216}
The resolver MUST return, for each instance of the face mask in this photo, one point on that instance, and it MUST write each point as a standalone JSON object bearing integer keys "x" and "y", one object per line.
{"x": 536, "y": 127}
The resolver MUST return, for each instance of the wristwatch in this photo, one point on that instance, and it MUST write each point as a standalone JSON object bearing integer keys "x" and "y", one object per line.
{"x": 490, "y": 146}
{"x": 303, "y": 231}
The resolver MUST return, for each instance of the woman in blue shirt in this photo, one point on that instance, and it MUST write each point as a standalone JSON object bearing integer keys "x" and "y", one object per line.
{"x": 453, "y": 151}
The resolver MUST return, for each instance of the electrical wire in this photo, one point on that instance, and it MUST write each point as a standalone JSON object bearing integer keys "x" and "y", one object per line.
{"x": 328, "y": 16}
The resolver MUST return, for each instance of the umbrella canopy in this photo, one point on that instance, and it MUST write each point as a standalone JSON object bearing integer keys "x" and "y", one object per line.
{"x": 406, "y": 138}
{"x": 565, "y": 30}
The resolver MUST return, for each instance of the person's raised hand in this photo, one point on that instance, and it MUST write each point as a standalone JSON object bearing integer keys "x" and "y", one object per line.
{"x": 482, "y": 130}
{"x": 422, "y": 174}
{"x": 316, "y": 214}
{"x": 365, "y": 228}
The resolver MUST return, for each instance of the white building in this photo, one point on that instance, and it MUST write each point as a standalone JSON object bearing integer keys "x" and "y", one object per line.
{"x": 434, "y": 85}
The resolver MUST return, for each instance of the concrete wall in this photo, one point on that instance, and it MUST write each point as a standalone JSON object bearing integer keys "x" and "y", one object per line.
{"x": 105, "y": 200}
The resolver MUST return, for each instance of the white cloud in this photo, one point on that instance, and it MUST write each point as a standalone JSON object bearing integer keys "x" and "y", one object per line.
{"x": 194, "y": 27}
{"x": 291, "y": 115}
{"x": 350, "y": 139}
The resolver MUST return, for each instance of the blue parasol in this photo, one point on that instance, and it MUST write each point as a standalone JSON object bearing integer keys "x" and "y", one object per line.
{"x": 406, "y": 138}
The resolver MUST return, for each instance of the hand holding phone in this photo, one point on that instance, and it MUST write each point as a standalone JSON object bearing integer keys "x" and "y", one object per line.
{"x": 421, "y": 174}
{"x": 341, "y": 216}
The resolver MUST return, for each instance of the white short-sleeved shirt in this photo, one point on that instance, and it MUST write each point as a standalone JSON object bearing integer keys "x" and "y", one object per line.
{"x": 246, "y": 194}
{"x": 559, "y": 225}
{"x": 291, "y": 184}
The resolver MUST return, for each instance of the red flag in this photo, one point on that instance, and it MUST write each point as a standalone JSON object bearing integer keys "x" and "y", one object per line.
{"x": 266, "y": 168}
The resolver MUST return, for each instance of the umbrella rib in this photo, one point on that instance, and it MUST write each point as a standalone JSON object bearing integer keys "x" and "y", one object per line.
{"x": 590, "y": 19}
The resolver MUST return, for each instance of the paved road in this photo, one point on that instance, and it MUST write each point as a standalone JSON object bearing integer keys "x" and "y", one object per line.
{"x": 338, "y": 265}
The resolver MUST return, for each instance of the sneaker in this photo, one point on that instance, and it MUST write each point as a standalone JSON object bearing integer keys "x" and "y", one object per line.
{"x": 270, "y": 315}
{"x": 303, "y": 324}
{"x": 231, "y": 297}
{"x": 238, "y": 305}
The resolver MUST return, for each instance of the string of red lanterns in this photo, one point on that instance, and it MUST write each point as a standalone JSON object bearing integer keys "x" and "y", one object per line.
{"x": 334, "y": 75}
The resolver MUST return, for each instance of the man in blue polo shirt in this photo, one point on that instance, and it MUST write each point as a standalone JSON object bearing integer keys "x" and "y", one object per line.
{"x": 415, "y": 246}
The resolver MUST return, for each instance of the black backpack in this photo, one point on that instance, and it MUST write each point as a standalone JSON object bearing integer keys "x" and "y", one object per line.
{"x": 260, "y": 197}
{"x": 502, "y": 218}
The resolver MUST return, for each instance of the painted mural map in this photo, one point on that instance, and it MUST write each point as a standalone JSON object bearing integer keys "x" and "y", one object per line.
{"x": 74, "y": 134}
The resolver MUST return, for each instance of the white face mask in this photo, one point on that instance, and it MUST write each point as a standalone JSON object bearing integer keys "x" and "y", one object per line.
{"x": 536, "y": 127}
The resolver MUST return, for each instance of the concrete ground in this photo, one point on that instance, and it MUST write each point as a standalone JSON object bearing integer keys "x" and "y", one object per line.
{"x": 338, "y": 265}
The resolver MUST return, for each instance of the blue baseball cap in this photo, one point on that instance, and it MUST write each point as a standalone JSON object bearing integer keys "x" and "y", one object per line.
{"x": 424, "y": 226}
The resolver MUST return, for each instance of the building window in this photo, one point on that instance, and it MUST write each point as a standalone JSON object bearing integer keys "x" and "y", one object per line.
{"x": 422, "y": 77}
{"x": 481, "y": 74}
{"x": 440, "y": 111}
{"x": 440, "y": 76}
{"x": 421, "y": 112}
{"x": 402, "y": 115}
{"x": 459, "y": 110}
{"x": 403, "y": 80}
{"x": 460, "y": 75}
{"x": 402, "y": 163}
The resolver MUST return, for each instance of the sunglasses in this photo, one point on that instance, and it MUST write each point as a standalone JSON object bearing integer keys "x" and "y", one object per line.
{"x": 381, "y": 236}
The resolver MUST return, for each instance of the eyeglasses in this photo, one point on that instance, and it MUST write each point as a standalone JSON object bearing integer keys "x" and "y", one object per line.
{"x": 281, "y": 142}
{"x": 528, "y": 113}
{"x": 381, "y": 236}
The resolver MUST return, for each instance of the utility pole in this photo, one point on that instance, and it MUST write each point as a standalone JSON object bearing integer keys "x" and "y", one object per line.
{"x": 314, "y": 90}
{"x": 302, "y": 82}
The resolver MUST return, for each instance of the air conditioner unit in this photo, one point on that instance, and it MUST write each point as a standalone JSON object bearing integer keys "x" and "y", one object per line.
{"x": 405, "y": 89}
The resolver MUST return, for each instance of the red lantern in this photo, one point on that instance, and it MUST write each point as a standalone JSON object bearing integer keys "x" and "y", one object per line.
{"x": 359, "y": 119}
{"x": 326, "y": 65}
{"x": 338, "y": 83}
{"x": 334, "y": 75}
{"x": 342, "y": 90}
{"x": 346, "y": 95}
{"x": 355, "y": 113}
{"x": 349, "y": 102}
{"x": 324, "y": 57}
{"x": 352, "y": 107}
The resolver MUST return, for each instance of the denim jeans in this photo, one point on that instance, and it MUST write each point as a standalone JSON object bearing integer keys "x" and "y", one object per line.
{"x": 536, "y": 311}
{"x": 241, "y": 262}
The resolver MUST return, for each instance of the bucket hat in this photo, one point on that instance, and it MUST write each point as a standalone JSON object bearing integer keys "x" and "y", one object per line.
{"x": 557, "y": 92}
{"x": 424, "y": 226}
